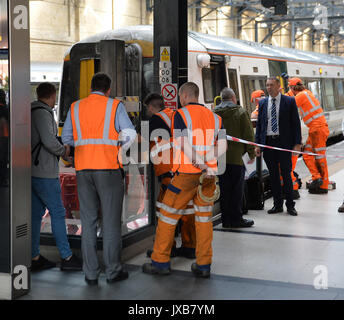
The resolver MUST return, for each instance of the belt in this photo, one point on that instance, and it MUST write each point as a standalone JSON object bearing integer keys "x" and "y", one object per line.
{"x": 276, "y": 136}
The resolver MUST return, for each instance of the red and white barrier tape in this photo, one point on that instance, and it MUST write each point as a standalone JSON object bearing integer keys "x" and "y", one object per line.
{"x": 276, "y": 148}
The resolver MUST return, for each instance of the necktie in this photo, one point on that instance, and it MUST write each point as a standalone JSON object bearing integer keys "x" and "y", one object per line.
{"x": 273, "y": 116}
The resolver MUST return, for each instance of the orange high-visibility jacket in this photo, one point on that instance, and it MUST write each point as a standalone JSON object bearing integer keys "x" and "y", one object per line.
{"x": 290, "y": 93}
{"x": 95, "y": 136}
{"x": 203, "y": 127}
{"x": 166, "y": 115}
{"x": 310, "y": 109}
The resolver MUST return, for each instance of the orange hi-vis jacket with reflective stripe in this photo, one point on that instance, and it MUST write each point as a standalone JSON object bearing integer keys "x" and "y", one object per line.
{"x": 95, "y": 136}
{"x": 166, "y": 115}
{"x": 203, "y": 127}
{"x": 310, "y": 109}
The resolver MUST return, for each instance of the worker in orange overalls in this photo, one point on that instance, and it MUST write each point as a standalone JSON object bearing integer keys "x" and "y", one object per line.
{"x": 196, "y": 148}
{"x": 256, "y": 96}
{"x": 161, "y": 119}
{"x": 294, "y": 157}
{"x": 313, "y": 117}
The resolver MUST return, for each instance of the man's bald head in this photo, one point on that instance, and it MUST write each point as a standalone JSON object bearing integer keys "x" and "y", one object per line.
{"x": 188, "y": 92}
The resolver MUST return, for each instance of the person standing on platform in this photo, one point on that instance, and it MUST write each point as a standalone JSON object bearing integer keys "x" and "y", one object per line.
{"x": 278, "y": 126}
{"x": 313, "y": 117}
{"x": 237, "y": 123}
{"x": 256, "y": 96}
{"x": 99, "y": 128}
{"x": 196, "y": 149}
{"x": 161, "y": 119}
{"x": 46, "y": 189}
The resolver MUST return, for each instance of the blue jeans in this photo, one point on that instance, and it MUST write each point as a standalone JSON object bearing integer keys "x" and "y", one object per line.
{"x": 46, "y": 194}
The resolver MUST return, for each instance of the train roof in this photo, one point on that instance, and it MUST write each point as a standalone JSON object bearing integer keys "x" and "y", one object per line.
{"x": 220, "y": 44}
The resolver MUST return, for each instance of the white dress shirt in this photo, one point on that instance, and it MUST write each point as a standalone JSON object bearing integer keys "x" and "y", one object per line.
{"x": 269, "y": 131}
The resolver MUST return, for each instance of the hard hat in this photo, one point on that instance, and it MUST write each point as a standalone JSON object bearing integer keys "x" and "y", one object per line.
{"x": 294, "y": 81}
{"x": 257, "y": 94}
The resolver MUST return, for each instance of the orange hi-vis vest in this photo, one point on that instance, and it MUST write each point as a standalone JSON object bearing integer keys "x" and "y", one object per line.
{"x": 203, "y": 127}
{"x": 95, "y": 136}
{"x": 310, "y": 109}
{"x": 166, "y": 115}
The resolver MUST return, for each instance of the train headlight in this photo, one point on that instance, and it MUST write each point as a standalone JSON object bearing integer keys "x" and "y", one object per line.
{"x": 203, "y": 60}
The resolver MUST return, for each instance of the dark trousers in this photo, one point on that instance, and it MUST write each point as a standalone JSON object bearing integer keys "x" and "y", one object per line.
{"x": 276, "y": 161}
{"x": 232, "y": 190}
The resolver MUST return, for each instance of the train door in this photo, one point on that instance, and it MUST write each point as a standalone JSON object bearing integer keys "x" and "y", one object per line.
{"x": 214, "y": 78}
{"x": 124, "y": 65}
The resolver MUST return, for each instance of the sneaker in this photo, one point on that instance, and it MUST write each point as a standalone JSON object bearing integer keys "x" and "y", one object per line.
{"x": 149, "y": 268}
{"x": 73, "y": 264}
{"x": 199, "y": 273}
{"x": 122, "y": 275}
{"x": 42, "y": 264}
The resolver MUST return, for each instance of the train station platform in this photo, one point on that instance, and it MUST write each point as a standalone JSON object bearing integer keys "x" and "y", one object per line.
{"x": 281, "y": 257}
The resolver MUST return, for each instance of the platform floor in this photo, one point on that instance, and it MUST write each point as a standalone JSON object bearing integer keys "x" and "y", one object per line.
{"x": 276, "y": 259}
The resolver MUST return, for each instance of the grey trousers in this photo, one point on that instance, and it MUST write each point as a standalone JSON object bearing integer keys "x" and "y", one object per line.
{"x": 101, "y": 189}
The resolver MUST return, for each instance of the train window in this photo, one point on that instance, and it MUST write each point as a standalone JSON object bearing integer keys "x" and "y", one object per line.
{"x": 314, "y": 87}
{"x": 148, "y": 77}
{"x": 340, "y": 92}
{"x": 248, "y": 85}
{"x": 233, "y": 81}
{"x": 214, "y": 80}
{"x": 328, "y": 95}
{"x": 66, "y": 97}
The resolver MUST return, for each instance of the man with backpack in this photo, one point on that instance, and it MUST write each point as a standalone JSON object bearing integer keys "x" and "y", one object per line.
{"x": 46, "y": 189}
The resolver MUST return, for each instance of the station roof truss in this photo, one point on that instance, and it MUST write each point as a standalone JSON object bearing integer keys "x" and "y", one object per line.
{"x": 319, "y": 19}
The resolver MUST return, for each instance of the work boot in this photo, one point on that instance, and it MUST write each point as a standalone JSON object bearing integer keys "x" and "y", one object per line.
{"x": 149, "y": 268}
{"x": 198, "y": 272}
{"x": 296, "y": 194}
{"x": 341, "y": 208}
{"x": 318, "y": 191}
{"x": 315, "y": 184}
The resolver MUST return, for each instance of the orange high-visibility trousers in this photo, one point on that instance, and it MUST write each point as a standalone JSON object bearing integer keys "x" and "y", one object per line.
{"x": 293, "y": 178}
{"x": 187, "y": 231}
{"x": 181, "y": 190}
{"x": 316, "y": 143}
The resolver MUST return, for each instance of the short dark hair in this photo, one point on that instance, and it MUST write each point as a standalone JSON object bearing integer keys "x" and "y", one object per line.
{"x": 156, "y": 100}
{"x": 299, "y": 87}
{"x": 101, "y": 82}
{"x": 45, "y": 90}
{"x": 191, "y": 88}
{"x": 275, "y": 79}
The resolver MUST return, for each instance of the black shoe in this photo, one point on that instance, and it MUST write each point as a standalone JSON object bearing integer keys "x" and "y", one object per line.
{"x": 275, "y": 210}
{"x": 318, "y": 191}
{"x": 292, "y": 211}
{"x": 226, "y": 226}
{"x": 341, "y": 208}
{"x": 173, "y": 252}
{"x": 244, "y": 223}
{"x": 42, "y": 264}
{"x": 149, "y": 268}
{"x": 91, "y": 282}
{"x": 315, "y": 184}
{"x": 185, "y": 252}
{"x": 199, "y": 273}
{"x": 121, "y": 276}
{"x": 73, "y": 264}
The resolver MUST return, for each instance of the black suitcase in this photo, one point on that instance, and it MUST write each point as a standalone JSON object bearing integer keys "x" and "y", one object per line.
{"x": 256, "y": 191}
